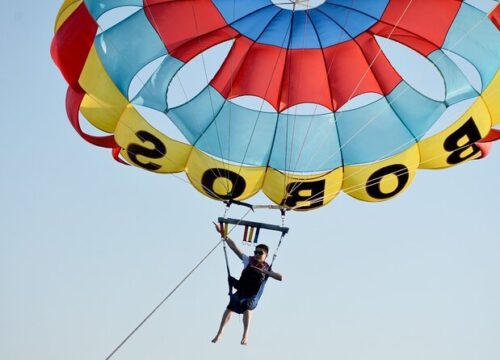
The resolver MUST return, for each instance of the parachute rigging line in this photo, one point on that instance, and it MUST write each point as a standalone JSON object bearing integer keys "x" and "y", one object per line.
{"x": 163, "y": 301}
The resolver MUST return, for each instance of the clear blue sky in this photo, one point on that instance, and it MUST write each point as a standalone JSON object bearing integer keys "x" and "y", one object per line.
{"x": 89, "y": 247}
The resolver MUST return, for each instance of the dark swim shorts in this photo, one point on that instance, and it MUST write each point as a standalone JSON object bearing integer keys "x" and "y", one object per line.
{"x": 239, "y": 303}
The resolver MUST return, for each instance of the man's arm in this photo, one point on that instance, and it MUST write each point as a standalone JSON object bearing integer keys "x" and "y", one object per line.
{"x": 274, "y": 275}
{"x": 234, "y": 247}
{"x": 230, "y": 243}
{"x": 271, "y": 274}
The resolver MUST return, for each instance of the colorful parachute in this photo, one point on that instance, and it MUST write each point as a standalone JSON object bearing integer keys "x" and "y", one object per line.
{"x": 299, "y": 99}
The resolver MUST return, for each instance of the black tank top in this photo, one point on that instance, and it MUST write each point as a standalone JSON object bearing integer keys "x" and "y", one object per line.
{"x": 251, "y": 279}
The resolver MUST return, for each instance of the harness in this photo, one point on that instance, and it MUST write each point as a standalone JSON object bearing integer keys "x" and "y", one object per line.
{"x": 251, "y": 282}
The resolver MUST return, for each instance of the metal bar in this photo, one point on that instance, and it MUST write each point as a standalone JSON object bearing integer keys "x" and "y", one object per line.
{"x": 282, "y": 229}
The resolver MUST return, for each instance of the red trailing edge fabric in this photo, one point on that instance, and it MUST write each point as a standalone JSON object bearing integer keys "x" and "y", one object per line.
{"x": 485, "y": 144}
{"x": 73, "y": 102}
{"x": 495, "y": 16}
{"x": 116, "y": 155}
{"x": 72, "y": 43}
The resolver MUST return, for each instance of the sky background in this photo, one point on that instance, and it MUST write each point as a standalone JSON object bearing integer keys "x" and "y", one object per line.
{"x": 89, "y": 247}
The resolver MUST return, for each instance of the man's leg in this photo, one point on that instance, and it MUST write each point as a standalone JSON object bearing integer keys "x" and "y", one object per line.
{"x": 225, "y": 318}
{"x": 247, "y": 316}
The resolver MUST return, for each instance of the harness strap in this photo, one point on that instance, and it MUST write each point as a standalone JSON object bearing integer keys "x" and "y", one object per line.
{"x": 275, "y": 255}
{"x": 223, "y": 235}
{"x": 227, "y": 268}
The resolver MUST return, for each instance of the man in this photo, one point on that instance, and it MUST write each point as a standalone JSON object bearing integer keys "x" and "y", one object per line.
{"x": 252, "y": 278}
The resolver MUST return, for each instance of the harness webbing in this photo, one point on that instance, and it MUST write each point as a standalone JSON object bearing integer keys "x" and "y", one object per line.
{"x": 227, "y": 267}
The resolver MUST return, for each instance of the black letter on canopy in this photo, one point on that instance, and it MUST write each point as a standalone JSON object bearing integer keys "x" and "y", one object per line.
{"x": 373, "y": 183}
{"x": 468, "y": 130}
{"x": 159, "y": 150}
{"x": 208, "y": 180}
{"x": 315, "y": 191}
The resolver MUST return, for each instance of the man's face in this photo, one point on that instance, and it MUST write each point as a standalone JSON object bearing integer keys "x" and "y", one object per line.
{"x": 260, "y": 254}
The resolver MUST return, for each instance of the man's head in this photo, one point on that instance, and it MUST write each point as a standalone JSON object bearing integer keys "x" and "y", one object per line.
{"x": 261, "y": 252}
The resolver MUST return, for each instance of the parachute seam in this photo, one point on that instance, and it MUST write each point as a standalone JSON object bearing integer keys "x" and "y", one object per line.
{"x": 327, "y": 70}
{"x": 280, "y": 95}
{"x": 217, "y": 130}
{"x": 262, "y": 103}
{"x": 292, "y": 169}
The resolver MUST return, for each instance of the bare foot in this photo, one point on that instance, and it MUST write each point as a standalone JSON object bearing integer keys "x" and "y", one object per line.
{"x": 215, "y": 339}
{"x": 244, "y": 341}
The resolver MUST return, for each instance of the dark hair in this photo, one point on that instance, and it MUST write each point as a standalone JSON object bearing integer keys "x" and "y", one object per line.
{"x": 263, "y": 247}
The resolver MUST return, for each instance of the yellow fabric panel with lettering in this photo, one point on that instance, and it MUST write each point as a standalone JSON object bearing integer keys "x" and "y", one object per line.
{"x": 456, "y": 144}
{"x": 145, "y": 147}
{"x": 302, "y": 192}
{"x": 384, "y": 179}
{"x": 222, "y": 180}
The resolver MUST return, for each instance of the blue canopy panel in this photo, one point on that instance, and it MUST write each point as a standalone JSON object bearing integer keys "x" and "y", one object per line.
{"x": 154, "y": 92}
{"x": 475, "y": 38}
{"x": 353, "y": 21}
{"x": 124, "y": 56}
{"x": 306, "y": 143}
{"x": 226, "y": 130}
{"x": 371, "y": 133}
{"x": 99, "y": 7}
{"x": 457, "y": 86}
{"x": 276, "y": 32}
{"x": 328, "y": 31}
{"x": 265, "y": 23}
{"x": 195, "y": 117}
{"x": 240, "y": 135}
{"x": 416, "y": 111}
{"x": 304, "y": 34}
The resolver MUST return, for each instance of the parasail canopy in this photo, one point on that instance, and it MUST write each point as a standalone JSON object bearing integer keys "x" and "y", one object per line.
{"x": 299, "y": 99}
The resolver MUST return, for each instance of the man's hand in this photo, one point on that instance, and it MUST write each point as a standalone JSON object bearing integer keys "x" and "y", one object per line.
{"x": 219, "y": 229}
{"x": 228, "y": 240}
